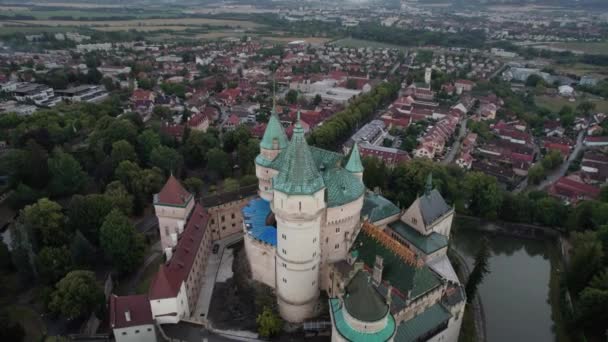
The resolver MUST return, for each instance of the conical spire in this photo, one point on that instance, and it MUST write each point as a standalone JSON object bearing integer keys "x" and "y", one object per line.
{"x": 298, "y": 173}
{"x": 354, "y": 164}
{"x": 429, "y": 184}
{"x": 274, "y": 131}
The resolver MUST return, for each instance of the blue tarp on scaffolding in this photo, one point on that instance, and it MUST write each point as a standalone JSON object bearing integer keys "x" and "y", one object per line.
{"x": 254, "y": 215}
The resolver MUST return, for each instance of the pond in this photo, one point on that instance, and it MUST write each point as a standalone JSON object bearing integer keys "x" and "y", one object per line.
{"x": 515, "y": 294}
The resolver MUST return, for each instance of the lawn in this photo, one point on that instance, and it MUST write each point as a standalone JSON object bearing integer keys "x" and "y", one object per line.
{"x": 359, "y": 43}
{"x": 581, "y": 69}
{"x": 555, "y": 103}
{"x": 130, "y": 24}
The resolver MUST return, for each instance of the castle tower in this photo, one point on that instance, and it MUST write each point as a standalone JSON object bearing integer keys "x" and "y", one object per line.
{"x": 273, "y": 141}
{"x": 298, "y": 205}
{"x": 354, "y": 164}
{"x": 172, "y": 206}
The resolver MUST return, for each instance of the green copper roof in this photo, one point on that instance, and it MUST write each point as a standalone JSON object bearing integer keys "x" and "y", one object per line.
{"x": 350, "y": 334}
{"x": 426, "y": 243}
{"x": 354, "y": 164}
{"x": 377, "y": 208}
{"x": 402, "y": 276}
{"x": 298, "y": 174}
{"x": 362, "y": 301}
{"x": 274, "y": 130}
{"x": 342, "y": 187}
{"x": 417, "y": 328}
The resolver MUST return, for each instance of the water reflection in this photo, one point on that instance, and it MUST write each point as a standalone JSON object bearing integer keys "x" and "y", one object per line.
{"x": 515, "y": 293}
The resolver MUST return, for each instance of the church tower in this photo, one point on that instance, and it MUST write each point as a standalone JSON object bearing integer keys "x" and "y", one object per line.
{"x": 298, "y": 205}
{"x": 172, "y": 206}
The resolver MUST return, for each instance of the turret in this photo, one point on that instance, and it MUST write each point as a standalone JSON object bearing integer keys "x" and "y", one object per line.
{"x": 273, "y": 142}
{"x": 298, "y": 205}
{"x": 354, "y": 164}
{"x": 172, "y": 205}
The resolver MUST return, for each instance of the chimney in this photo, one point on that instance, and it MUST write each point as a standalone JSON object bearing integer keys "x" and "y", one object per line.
{"x": 389, "y": 299}
{"x": 378, "y": 267}
{"x": 128, "y": 316}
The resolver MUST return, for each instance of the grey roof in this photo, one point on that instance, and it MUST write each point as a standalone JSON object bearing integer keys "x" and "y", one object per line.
{"x": 362, "y": 301}
{"x": 432, "y": 207}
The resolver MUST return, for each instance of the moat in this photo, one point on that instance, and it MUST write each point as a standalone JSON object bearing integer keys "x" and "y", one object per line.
{"x": 516, "y": 292}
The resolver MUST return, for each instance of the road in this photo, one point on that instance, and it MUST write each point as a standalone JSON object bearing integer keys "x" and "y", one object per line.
{"x": 558, "y": 173}
{"x": 456, "y": 145}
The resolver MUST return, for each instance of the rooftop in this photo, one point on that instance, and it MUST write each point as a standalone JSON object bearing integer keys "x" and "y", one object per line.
{"x": 350, "y": 334}
{"x": 255, "y": 215}
{"x": 417, "y": 328}
{"x": 426, "y": 243}
{"x": 362, "y": 301}
{"x": 377, "y": 208}
{"x": 130, "y": 311}
{"x": 173, "y": 194}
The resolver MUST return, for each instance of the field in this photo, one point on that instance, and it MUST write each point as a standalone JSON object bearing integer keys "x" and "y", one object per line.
{"x": 555, "y": 103}
{"x": 581, "y": 69}
{"x": 585, "y": 47}
{"x": 44, "y": 13}
{"x": 128, "y": 24}
{"x": 359, "y": 43}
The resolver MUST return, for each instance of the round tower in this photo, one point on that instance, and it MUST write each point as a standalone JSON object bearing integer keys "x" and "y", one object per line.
{"x": 298, "y": 204}
{"x": 273, "y": 142}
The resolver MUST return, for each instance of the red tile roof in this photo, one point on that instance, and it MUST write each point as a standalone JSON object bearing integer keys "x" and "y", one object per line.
{"x": 574, "y": 189}
{"x": 172, "y": 274}
{"x": 173, "y": 193}
{"x": 138, "y": 308}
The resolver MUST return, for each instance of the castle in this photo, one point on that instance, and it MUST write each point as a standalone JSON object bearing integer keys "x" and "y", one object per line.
{"x": 313, "y": 227}
{"x": 316, "y": 228}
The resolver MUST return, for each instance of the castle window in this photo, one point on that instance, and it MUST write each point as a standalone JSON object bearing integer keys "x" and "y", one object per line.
{"x": 414, "y": 221}
{"x": 137, "y": 331}
{"x": 337, "y": 246}
{"x": 314, "y": 283}
{"x": 314, "y": 240}
{"x": 338, "y": 230}
{"x": 223, "y": 218}
{"x": 284, "y": 265}
{"x": 314, "y": 254}
{"x": 232, "y": 215}
{"x": 284, "y": 236}
{"x": 285, "y": 280}
{"x": 284, "y": 251}
{"x": 166, "y": 231}
{"x": 300, "y": 206}
{"x": 314, "y": 267}
{"x": 212, "y": 221}
{"x": 149, "y": 329}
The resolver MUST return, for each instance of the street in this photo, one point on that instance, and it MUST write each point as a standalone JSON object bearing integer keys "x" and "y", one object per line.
{"x": 456, "y": 145}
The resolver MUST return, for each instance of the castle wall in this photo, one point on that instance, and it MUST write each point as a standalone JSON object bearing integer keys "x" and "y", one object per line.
{"x": 265, "y": 175}
{"x": 171, "y": 220}
{"x": 443, "y": 226}
{"x": 171, "y": 310}
{"x": 226, "y": 219}
{"x": 418, "y": 305}
{"x": 261, "y": 259}
{"x": 337, "y": 233}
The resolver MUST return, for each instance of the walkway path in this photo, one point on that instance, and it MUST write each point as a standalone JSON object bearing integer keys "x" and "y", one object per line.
{"x": 211, "y": 272}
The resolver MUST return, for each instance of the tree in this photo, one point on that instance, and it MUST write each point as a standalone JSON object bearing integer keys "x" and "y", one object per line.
{"x": 167, "y": 159}
{"x": 122, "y": 150}
{"x": 480, "y": 269}
{"x": 269, "y": 323}
{"x": 351, "y": 83}
{"x": 82, "y": 251}
{"x": 292, "y": 96}
{"x": 534, "y": 80}
{"x": 218, "y": 161}
{"x": 585, "y": 261}
{"x": 86, "y": 214}
{"x": 67, "y": 176}
{"x": 196, "y": 147}
{"x": 119, "y": 197}
{"x": 53, "y": 263}
{"x": 76, "y": 295}
{"x": 230, "y": 185}
{"x": 483, "y": 194}
{"x": 592, "y": 305}
{"x": 317, "y": 100}
{"x": 585, "y": 107}
{"x": 552, "y": 160}
{"x": 147, "y": 141}
{"x": 194, "y": 185}
{"x": 45, "y": 221}
{"x": 121, "y": 243}
{"x": 536, "y": 173}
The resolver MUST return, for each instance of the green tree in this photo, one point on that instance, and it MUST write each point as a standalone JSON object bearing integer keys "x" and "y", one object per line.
{"x": 230, "y": 185}
{"x": 246, "y": 154}
{"x": 82, "y": 251}
{"x": 194, "y": 185}
{"x": 52, "y": 263}
{"x": 552, "y": 160}
{"x": 122, "y": 150}
{"x": 147, "y": 141}
{"x": 218, "y": 161}
{"x": 480, "y": 269}
{"x": 317, "y": 100}
{"x": 67, "y": 176}
{"x": 269, "y": 323}
{"x": 483, "y": 194}
{"x": 76, "y": 295}
{"x": 292, "y": 96}
{"x": 196, "y": 147}
{"x": 119, "y": 197}
{"x": 86, "y": 214}
{"x": 121, "y": 243}
{"x": 45, "y": 222}
{"x": 592, "y": 305}
{"x": 585, "y": 107}
{"x": 534, "y": 80}
{"x": 167, "y": 159}
{"x": 536, "y": 174}
{"x": 585, "y": 260}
